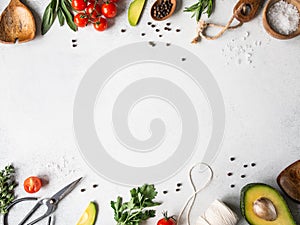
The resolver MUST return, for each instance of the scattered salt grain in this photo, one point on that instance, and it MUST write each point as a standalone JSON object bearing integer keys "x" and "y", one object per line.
{"x": 283, "y": 17}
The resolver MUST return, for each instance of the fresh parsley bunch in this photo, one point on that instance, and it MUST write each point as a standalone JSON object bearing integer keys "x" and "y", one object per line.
{"x": 136, "y": 210}
{"x": 7, "y": 186}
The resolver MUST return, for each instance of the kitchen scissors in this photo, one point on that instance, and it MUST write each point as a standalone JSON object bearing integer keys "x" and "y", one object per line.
{"x": 51, "y": 204}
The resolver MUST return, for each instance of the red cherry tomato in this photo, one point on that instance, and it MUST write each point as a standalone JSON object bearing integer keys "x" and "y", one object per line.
{"x": 32, "y": 184}
{"x": 93, "y": 10}
{"x": 81, "y": 20}
{"x": 166, "y": 220}
{"x": 100, "y": 24}
{"x": 109, "y": 10}
{"x": 79, "y": 5}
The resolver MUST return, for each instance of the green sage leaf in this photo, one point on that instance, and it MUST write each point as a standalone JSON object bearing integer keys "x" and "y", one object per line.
{"x": 68, "y": 16}
{"x": 49, "y": 16}
{"x": 61, "y": 17}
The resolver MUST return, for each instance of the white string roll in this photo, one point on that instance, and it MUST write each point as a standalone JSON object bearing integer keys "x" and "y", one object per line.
{"x": 217, "y": 214}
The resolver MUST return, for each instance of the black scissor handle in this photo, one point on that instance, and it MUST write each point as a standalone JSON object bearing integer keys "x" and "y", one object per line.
{"x": 14, "y": 203}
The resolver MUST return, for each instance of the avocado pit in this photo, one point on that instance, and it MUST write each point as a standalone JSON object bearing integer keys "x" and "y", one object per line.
{"x": 265, "y": 209}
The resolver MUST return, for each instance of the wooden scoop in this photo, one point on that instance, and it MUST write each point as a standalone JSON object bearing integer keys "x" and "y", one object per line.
{"x": 268, "y": 27}
{"x": 169, "y": 13}
{"x": 16, "y": 23}
{"x": 246, "y": 10}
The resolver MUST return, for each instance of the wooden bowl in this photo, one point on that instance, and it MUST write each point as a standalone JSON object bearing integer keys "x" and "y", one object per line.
{"x": 269, "y": 28}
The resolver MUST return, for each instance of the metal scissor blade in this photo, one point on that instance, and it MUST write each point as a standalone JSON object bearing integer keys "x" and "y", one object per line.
{"x": 65, "y": 191}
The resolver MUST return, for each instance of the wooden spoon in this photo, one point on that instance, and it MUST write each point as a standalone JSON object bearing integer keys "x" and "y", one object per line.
{"x": 16, "y": 23}
{"x": 246, "y": 10}
{"x": 269, "y": 28}
{"x": 171, "y": 4}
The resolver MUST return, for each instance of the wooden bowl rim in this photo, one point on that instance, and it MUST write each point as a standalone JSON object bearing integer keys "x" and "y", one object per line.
{"x": 269, "y": 28}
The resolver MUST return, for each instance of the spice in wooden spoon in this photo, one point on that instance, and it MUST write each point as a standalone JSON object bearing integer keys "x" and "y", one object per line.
{"x": 16, "y": 23}
{"x": 163, "y": 9}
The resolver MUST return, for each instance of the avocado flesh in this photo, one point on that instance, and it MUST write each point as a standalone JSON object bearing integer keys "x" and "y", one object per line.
{"x": 89, "y": 215}
{"x": 135, "y": 10}
{"x": 252, "y": 192}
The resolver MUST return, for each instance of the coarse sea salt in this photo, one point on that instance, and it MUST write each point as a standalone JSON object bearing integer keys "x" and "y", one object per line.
{"x": 283, "y": 17}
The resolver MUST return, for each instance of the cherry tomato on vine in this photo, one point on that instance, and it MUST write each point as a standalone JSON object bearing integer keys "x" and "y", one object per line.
{"x": 79, "y": 5}
{"x": 109, "y": 9}
{"x": 93, "y": 10}
{"x": 166, "y": 220}
{"x": 100, "y": 24}
{"x": 32, "y": 184}
{"x": 81, "y": 20}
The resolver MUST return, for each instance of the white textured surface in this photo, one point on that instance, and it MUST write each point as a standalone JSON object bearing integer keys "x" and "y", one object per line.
{"x": 38, "y": 82}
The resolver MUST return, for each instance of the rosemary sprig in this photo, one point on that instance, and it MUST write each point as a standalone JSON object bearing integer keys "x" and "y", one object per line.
{"x": 201, "y": 7}
{"x": 7, "y": 186}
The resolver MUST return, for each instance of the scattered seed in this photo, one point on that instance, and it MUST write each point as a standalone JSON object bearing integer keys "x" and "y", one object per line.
{"x": 74, "y": 45}
{"x": 178, "y": 30}
{"x": 245, "y": 166}
{"x": 232, "y": 158}
{"x": 183, "y": 59}
{"x": 168, "y": 44}
{"x": 243, "y": 176}
{"x": 179, "y": 184}
{"x": 232, "y": 185}
{"x": 95, "y": 185}
{"x": 123, "y": 30}
{"x": 253, "y": 164}
{"x": 74, "y": 40}
{"x": 168, "y": 24}
{"x": 153, "y": 25}
{"x": 149, "y": 23}
{"x": 83, "y": 190}
{"x": 178, "y": 189}
{"x": 229, "y": 174}
{"x": 143, "y": 34}
{"x": 152, "y": 43}
{"x": 157, "y": 30}
{"x": 160, "y": 35}
{"x": 165, "y": 192}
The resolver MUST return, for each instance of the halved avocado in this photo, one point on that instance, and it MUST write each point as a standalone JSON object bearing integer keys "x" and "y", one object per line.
{"x": 134, "y": 11}
{"x": 89, "y": 215}
{"x": 261, "y": 204}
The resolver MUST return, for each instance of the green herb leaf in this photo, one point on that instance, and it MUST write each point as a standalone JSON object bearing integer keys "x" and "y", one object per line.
{"x": 7, "y": 185}
{"x": 68, "y": 16}
{"x": 201, "y": 7}
{"x": 61, "y": 17}
{"x": 135, "y": 211}
{"x": 49, "y": 16}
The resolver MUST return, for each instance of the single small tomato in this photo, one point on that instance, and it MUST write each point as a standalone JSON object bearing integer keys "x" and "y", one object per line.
{"x": 93, "y": 10}
{"x": 32, "y": 184}
{"x": 100, "y": 24}
{"x": 109, "y": 9}
{"x": 167, "y": 220}
{"x": 79, "y": 5}
{"x": 81, "y": 20}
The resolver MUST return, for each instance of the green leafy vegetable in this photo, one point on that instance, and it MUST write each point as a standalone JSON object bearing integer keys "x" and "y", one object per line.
{"x": 61, "y": 9}
{"x": 7, "y": 186}
{"x": 136, "y": 210}
{"x": 201, "y": 7}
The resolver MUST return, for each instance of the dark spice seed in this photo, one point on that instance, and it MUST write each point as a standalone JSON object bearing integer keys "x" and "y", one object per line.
{"x": 232, "y": 158}
{"x": 157, "y": 30}
{"x": 165, "y": 192}
{"x": 245, "y": 166}
{"x": 149, "y": 23}
{"x": 143, "y": 34}
{"x": 178, "y": 189}
{"x": 160, "y": 35}
{"x": 243, "y": 176}
{"x": 168, "y": 44}
{"x": 95, "y": 185}
{"x": 183, "y": 59}
{"x": 177, "y": 30}
{"x": 74, "y": 40}
{"x": 229, "y": 174}
{"x": 168, "y": 24}
{"x": 82, "y": 190}
{"x": 123, "y": 30}
{"x": 74, "y": 45}
{"x": 253, "y": 164}
{"x": 153, "y": 25}
{"x": 179, "y": 184}
{"x": 232, "y": 185}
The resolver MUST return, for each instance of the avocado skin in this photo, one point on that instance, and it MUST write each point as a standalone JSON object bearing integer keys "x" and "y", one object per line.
{"x": 134, "y": 11}
{"x": 284, "y": 210}
{"x": 91, "y": 210}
